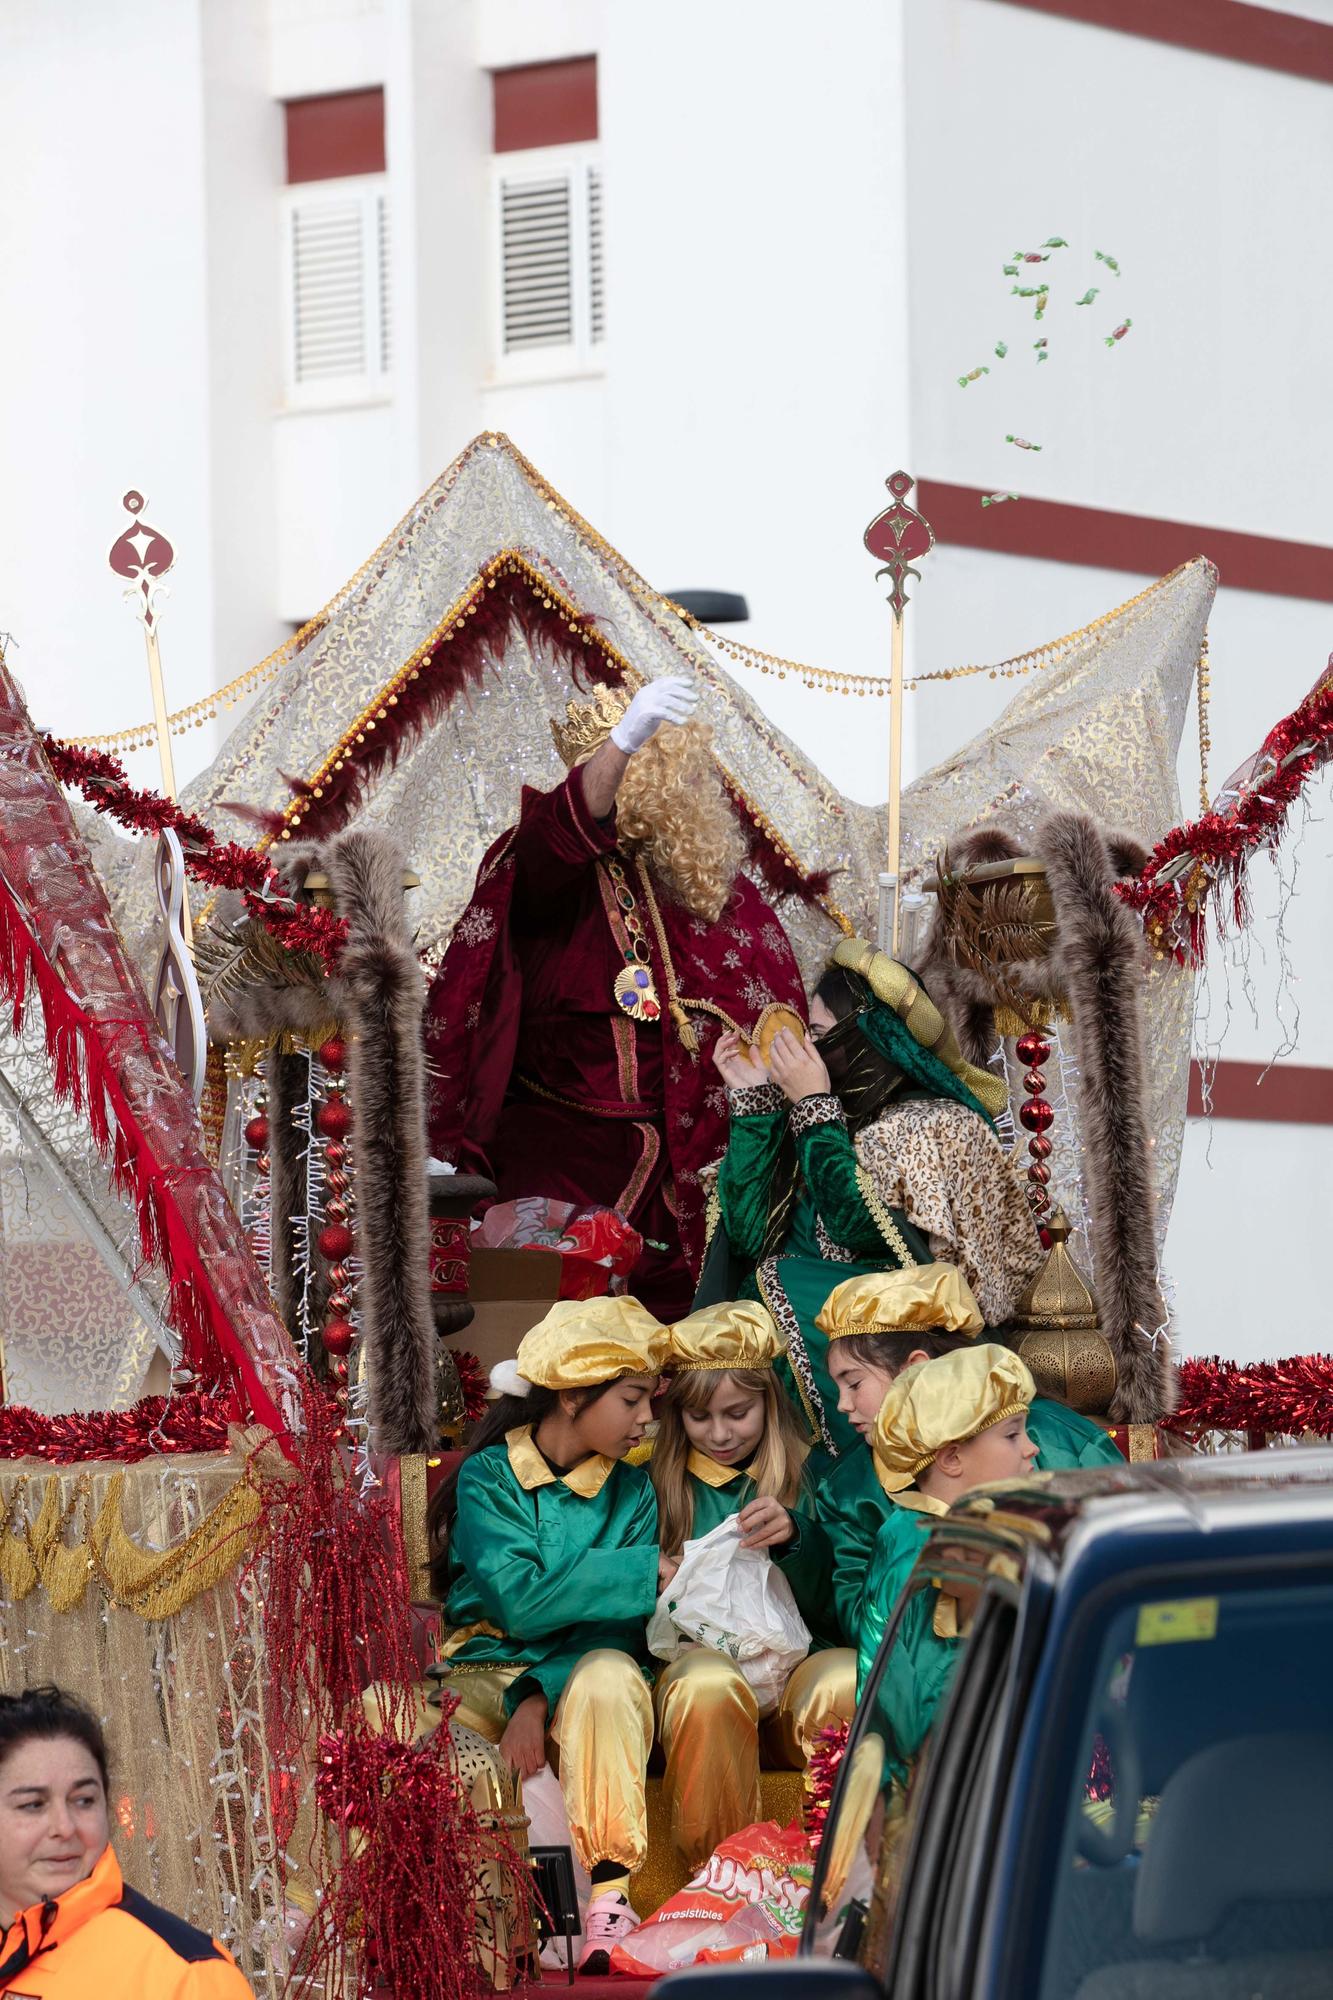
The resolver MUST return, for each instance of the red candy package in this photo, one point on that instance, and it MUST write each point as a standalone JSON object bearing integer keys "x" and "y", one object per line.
{"x": 746, "y": 1902}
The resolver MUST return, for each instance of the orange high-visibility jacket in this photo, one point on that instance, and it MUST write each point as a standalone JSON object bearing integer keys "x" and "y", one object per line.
{"x": 101, "y": 1938}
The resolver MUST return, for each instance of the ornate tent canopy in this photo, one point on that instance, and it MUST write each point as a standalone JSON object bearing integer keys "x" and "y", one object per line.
{"x": 421, "y": 697}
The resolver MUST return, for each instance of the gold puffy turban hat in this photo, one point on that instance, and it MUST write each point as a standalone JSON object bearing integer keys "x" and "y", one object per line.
{"x": 739, "y": 1335}
{"x": 924, "y": 1298}
{"x": 945, "y": 1401}
{"x": 583, "y": 1343}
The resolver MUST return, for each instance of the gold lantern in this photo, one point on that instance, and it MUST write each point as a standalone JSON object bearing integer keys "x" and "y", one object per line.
{"x": 1056, "y": 1332}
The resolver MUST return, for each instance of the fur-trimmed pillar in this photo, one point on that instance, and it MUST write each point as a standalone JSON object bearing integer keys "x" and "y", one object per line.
{"x": 1100, "y": 955}
{"x": 381, "y": 995}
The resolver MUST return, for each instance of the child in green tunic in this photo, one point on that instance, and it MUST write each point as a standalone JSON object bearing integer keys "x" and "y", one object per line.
{"x": 547, "y": 1560}
{"x": 945, "y": 1427}
{"x": 875, "y": 1327}
{"x": 729, "y": 1444}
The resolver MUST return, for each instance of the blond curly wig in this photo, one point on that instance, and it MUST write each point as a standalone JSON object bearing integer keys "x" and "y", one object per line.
{"x": 672, "y": 810}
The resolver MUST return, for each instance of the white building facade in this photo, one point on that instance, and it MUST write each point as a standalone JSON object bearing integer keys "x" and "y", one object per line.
{"x": 717, "y": 272}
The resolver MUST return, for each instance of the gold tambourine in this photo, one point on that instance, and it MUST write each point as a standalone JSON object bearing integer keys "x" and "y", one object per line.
{"x": 771, "y": 1022}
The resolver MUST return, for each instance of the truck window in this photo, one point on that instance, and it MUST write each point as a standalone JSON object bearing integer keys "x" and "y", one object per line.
{"x": 1197, "y": 1849}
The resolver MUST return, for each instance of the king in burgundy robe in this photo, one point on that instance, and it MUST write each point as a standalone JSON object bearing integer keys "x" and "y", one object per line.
{"x": 540, "y": 1081}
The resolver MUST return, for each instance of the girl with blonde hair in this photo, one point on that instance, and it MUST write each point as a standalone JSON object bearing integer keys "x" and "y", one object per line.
{"x": 729, "y": 1444}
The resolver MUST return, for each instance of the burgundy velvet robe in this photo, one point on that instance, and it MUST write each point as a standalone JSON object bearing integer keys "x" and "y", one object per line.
{"x": 523, "y": 1005}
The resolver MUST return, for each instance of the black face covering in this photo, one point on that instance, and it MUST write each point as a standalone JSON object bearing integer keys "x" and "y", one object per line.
{"x": 861, "y": 1079}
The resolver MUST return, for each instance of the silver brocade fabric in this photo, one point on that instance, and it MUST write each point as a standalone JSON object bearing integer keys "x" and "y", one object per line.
{"x": 1098, "y": 732}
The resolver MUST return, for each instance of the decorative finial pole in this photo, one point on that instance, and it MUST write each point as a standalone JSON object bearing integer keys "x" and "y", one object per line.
{"x": 142, "y": 556}
{"x": 899, "y": 537}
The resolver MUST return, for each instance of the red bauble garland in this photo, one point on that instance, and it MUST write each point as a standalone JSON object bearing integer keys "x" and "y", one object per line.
{"x": 101, "y": 778}
{"x": 1287, "y": 1397}
{"x": 1220, "y": 844}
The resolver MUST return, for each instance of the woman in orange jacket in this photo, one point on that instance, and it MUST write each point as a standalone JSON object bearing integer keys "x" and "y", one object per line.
{"x": 71, "y": 1925}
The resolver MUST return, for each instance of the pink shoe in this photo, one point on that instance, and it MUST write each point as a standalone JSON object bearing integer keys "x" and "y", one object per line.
{"x": 609, "y": 1919}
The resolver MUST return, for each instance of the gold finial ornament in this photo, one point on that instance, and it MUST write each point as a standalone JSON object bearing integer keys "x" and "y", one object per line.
{"x": 1058, "y": 1336}
{"x": 587, "y": 724}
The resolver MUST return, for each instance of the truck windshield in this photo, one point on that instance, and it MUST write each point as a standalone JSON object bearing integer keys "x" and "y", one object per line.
{"x": 1197, "y": 1851}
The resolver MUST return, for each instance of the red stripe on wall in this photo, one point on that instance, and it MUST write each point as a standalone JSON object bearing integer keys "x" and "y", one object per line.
{"x": 1055, "y": 531}
{"x": 1256, "y": 35}
{"x": 545, "y": 104}
{"x": 1285, "y": 1094}
{"x": 329, "y": 138}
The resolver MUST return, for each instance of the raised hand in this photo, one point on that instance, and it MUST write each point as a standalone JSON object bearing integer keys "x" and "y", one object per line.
{"x": 797, "y": 1067}
{"x": 672, "y": 699}
{"x": 737, "y": 1062}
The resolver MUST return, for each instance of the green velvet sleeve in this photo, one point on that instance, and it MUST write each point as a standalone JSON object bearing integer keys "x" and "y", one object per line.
{"x": 746, "y": 1175}
{"x": 1065, "y": 1439}
{"x": 840, "y": 1192}
{"x": 921, "y": 1665}
{"x": 536, "y": 1585}
{"x": 807, "y": 1563}
{"x": 852, "y": 1506}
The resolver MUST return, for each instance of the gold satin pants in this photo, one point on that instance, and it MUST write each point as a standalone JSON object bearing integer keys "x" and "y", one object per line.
{"x": 602, "y": 1731}
{"x": 708, "y": 1723}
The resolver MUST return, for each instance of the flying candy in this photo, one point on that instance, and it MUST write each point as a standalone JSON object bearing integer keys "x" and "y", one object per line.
{"x": 1022, "y": 443}
{"x": 1055, "y": 243}
{"x": 1042, "y": 299}
{"x": 1109, "y": 262}
{"x": 1027, "y": 291}
{"x": 996, "y": 499}
{"x": 1041, "y": 348}
{"x": 1119, "y": 332}
{"x": 1087, "y": 297}
{"x": 1030, "y": 257}
{"x": 1001, "y": 349}
{"x": 963, "y": 380}
{"x": 1011, "y": 270}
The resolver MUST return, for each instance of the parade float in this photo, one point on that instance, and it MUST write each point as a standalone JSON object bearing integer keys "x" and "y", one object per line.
{"x": 243, "y": 1558}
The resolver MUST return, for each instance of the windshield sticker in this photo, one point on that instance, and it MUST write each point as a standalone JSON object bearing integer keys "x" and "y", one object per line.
{"x": 1169, "y": 1624}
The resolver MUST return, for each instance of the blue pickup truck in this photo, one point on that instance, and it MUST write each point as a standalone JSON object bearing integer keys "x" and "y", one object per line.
{"x": 1127, "y": 1793}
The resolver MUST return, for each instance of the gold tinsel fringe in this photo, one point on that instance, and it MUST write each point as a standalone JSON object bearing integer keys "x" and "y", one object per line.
{"x": 64, "y": 1547}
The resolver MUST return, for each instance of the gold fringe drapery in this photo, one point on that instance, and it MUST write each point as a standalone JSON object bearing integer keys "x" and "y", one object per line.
{"x": 64, "y": 1541}
{"x": 127, "y": 1585}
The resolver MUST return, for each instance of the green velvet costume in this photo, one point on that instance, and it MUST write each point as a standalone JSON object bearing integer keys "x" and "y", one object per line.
{"x": 921, "y": 1664}
{"x": 545, "y": 1568}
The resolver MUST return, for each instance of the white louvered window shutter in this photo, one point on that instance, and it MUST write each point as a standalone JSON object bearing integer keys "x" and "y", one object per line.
{"x": 338, "y": 291}
{"x": 550, "y": 278}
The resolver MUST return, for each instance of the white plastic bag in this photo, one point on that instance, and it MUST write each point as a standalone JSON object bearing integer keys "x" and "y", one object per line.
{"x": 738, "y": 1602}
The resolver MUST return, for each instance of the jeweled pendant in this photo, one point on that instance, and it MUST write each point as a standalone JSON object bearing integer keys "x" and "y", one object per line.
{"x": 636, "y": 995}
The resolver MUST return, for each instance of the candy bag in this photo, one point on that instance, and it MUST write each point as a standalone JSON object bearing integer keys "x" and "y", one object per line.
{"x": 746, "y": 1902}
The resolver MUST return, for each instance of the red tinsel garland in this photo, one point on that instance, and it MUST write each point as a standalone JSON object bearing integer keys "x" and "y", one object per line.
{"x": 1220, "y": 844}
{"x": 821, "y": 1775}
{"x": 157, "y": 1424}
{"x": 413, "y": 1868}
{"x": 221, "y": 864}
{"x": 1286, "y": 1397}
{"x": 474, "y": 1383}
{"x": 332, "y": 1579}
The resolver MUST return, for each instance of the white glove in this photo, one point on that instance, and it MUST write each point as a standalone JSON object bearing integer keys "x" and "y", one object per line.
{"x": 671, "y": 700}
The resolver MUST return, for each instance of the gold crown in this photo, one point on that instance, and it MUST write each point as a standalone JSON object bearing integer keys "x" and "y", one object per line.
{"x": 587, "y": 724}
